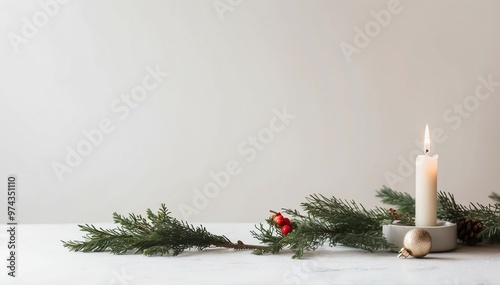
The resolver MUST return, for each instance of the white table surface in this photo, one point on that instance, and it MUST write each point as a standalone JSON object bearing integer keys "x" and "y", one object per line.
{"x": 43, "y": 260}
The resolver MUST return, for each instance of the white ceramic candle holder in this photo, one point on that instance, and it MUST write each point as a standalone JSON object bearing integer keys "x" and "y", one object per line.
{"x": 444, "y": 235}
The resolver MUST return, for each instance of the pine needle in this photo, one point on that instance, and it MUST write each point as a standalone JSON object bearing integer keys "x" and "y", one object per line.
{"x": 495, "y": 197}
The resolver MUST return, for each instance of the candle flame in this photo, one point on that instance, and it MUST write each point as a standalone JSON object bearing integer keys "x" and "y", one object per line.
{"x": 427, "y": 141}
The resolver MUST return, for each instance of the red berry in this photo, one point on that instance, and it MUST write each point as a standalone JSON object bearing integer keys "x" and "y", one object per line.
{"x": 276, "y": 216}
{"x": 279, "y": 220}
{"x": 286, "y": 221}
{"x": 286, "y": 229}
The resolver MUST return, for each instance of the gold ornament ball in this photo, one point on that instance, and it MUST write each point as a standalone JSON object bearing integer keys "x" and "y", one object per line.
{"x": 417, "y": 243}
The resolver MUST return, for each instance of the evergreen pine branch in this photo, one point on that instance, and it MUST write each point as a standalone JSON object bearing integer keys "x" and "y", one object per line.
{"x": 158, "y": 234}
{"x": 450, "y": 210}
{"x": 404, "y": 202}
{"x": 328, "y": 221}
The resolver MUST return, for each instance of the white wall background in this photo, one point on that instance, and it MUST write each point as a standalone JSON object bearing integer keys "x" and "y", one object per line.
{"x": 354, "y": 120}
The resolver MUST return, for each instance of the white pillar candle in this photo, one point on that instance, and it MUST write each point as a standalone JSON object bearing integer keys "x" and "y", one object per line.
{"x": 426, "y": 186}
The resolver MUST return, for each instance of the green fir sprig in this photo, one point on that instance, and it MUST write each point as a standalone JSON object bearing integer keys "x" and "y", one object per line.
{"x": 327, "y": 221}
{"x": 450, "y": 210}
{"x": 159, "y": 234}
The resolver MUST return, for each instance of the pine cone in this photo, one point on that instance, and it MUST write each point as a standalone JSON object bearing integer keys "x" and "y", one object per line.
{"x": 468, "y": 230}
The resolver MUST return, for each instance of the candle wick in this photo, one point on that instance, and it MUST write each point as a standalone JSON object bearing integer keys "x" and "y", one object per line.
{"x": 426, "y": 151}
